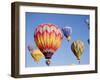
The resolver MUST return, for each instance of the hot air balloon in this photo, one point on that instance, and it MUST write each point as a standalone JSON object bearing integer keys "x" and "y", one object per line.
{"x": 30, "y": 48}
{"x": 88, "y": 25}
{"x": 48, "y": 39}
{"x": 67, "y": 31}
{"x": 87, "y": 22}
{"x": 36, "y": 54}
{"x": 77, "y": 47}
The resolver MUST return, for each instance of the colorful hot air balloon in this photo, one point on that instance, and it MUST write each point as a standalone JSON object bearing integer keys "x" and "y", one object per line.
{"x": 77, "y": 48}
{"x": 36, "y": 54}
{"x": 48, "y": 38}
{"x": 67, "y": 31}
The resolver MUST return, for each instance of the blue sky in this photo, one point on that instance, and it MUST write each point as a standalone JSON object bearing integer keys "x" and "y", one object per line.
{"x": 64, "y": 55}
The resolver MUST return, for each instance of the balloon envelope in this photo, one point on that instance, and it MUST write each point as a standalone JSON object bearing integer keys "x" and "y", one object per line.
{"x": 67, "y": 31}
{"x": 48, "y": 38}
{"x": 77, "y": 48}
{"x": 37, "y": 55}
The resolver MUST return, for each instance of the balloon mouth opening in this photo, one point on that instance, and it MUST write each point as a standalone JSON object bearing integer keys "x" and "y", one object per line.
{"x": 48, "y": 55}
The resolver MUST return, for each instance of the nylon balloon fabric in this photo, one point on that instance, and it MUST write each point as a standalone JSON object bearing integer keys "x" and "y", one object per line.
{"x": 48, "y": 38}
{"x": 77, "y": 48}
{"x": 67, "y": 31}
{"x": 37, "y": 55}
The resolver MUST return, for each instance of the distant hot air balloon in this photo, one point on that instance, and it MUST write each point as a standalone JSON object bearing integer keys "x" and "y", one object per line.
{"x": 48, "y": 38}
{"x": 88, "y": 25}
{"x": 67, "y": 31}
{"x": 77, "y": 48}
{"x": 36, "y": 54}
{"x": 87, "y": 22}
{"x": 30, "y": 48}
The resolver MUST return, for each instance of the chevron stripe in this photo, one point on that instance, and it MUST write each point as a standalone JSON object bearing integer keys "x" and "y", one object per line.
{"x": 48, "y": 37}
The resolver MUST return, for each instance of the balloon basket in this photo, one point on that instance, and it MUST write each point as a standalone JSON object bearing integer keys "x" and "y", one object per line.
{"x": 68, "y": 38}
{"x": 79, "y": 61}
{"x": 48, "y": 62}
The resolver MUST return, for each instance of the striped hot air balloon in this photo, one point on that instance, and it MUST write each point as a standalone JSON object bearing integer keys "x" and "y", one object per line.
{"x": 48, "y": 38}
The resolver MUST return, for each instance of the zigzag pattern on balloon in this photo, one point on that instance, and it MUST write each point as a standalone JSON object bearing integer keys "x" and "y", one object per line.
{"x": 48, "y": 37}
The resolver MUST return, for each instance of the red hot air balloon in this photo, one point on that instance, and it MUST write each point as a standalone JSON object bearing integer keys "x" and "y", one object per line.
{"x": 48, "y": 38}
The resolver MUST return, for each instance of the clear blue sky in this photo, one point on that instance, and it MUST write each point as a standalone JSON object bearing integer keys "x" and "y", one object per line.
{"x": 64, "y": 55}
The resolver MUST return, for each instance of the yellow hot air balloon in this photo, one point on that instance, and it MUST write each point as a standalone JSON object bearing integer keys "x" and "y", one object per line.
{"x": 36, "y": 54}
{"x": 77, "y": 48}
